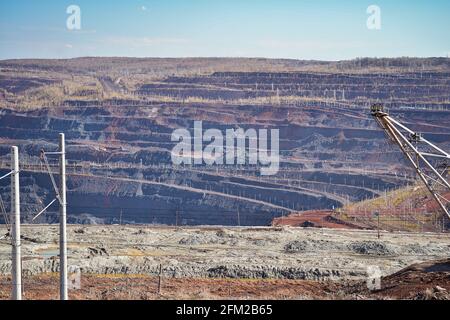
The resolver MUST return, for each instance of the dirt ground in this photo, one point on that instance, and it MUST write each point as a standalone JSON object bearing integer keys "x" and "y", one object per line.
{"x": 143, "y": 287}
{"x": 315, "y": 218}
{"x": 427, "y": 281}
{"x": 124, "y": 262}
{"x": 424, "y": 281}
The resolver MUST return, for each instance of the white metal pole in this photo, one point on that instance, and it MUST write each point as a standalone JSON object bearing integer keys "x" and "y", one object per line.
{"x": 62, "y": 221}
{"x": 15, "y": 228}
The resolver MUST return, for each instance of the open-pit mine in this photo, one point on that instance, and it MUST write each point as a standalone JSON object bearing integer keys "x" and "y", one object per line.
{"x": 135, "y": 216}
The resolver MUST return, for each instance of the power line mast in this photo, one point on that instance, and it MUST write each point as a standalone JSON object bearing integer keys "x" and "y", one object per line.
{"x": 425, "y": 161}
{"x": 61, "y": 197}
{"x": 15, "y": 226}
{"x": 14, "y": 229}
{"x": 62, "y": 220}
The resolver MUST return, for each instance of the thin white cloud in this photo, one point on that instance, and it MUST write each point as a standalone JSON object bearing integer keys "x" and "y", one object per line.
{"x": 59, "y": 30}
{"x": 144, "y": 41}
{"x": 69, "y": 46}
{"x": 303, "y": 45}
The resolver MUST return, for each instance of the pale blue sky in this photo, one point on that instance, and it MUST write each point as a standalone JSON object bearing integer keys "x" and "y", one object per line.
{"x": 299, "y": 29}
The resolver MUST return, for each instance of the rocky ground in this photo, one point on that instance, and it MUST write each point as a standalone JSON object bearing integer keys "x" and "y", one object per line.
{"x": 123, "y": 262}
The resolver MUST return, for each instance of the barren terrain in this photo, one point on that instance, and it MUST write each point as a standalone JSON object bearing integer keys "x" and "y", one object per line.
{"x": 143, "y": 228}
{"x": 224, "y": 262}
{"x": 118, "y": 115}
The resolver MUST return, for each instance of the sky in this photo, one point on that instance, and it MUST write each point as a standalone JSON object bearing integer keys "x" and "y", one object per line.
{"x": 296, "y": 29}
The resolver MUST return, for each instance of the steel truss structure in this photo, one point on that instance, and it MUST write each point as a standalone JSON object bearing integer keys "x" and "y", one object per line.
{"x": 431, "y": 163}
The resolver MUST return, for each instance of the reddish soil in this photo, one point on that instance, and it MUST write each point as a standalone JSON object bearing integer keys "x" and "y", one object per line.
{"x": 403, "y": 216}
{"x": 425, "y": 281}
{"x": 421, "y": 281}
{"x": 101, "y": 287}
{"x": 314, "y": 219}
{"x": 432, "y": 205}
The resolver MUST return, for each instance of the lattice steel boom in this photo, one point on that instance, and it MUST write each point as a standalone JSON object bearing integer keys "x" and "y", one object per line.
{"x": 430, "y": 162}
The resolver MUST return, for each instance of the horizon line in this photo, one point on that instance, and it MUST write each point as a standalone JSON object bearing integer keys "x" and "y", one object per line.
{"x": 232, "y": 57}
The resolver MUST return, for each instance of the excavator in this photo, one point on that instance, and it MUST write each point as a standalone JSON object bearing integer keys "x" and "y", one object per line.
{"x": 431, "y": 163}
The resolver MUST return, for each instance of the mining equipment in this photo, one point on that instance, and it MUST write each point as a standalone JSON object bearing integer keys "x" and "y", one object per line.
{"x": 431, "y": 163}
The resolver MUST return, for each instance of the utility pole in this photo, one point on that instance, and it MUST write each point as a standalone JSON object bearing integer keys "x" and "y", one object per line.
{"x": 377, "y": 215}
{"x": 62, "y": 220}
{"x": 15, "y": 228}
{"x": 378, "y": 218}
{"x": 159, "y": 279}
{"x": 61, "y": 197}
